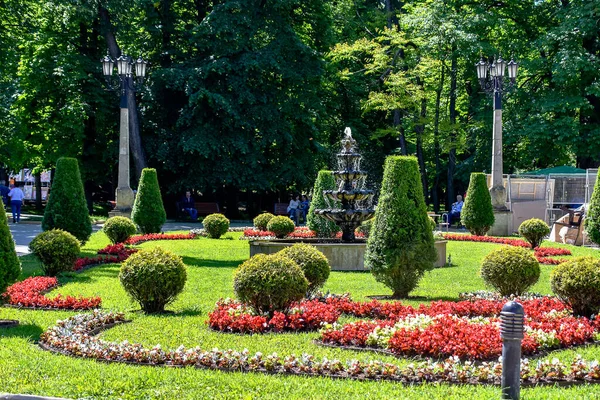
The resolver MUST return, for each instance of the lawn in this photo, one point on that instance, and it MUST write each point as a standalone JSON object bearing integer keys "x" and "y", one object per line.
{"x": 24, "y": 368}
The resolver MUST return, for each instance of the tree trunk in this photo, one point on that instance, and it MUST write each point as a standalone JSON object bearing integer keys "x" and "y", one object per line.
{"x": 38, "y": 191}
{"x": 419, "y": 130}
{"x": 436, "y": 143}
{"x": 450, "y": 195}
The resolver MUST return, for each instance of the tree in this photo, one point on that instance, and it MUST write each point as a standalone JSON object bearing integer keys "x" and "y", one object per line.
{"x": 400, "y": 248}
{"x": 592, "y": 219}
{"x": 148, "y": 211}
{"x": 67, "y": 208}
{"x": 477, "y": 212}
{"x": 322, "y": 227}
{"x": 10, "y": 266}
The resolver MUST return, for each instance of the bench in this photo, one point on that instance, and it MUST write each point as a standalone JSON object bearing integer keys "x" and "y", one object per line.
{"x": 280, "y": 209}
{"x": 202, "y": 208}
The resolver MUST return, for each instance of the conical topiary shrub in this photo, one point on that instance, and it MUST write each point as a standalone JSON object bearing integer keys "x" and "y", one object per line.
{"x": 401, "y": 246}
{"x": 478, "y": 213}
{"x": 67, "y": 208}
{"x": 592, "y": 218}
{"x": 321, "y": 226}
{"x": 148, "y": 211}
{"x": 10, "y": 266}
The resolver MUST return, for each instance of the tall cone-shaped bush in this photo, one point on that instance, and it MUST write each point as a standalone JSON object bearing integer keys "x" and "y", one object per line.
{"x": 592, "y": 218}
{"x": 401, "y": 246}
{"x": 478, "y": 213}
{"x": 148, "y": 211}
{"x": 67, "y": 208}
{"x": 10, "y": 266}
{"x": 321, "y": 226}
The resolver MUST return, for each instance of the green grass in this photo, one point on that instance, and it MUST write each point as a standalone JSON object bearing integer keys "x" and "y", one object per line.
{"x": 24, "y": 368}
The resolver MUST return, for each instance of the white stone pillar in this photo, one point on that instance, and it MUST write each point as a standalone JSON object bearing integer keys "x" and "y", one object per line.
{"x": 497, "y": 190}
{"x": 124, "y": 194}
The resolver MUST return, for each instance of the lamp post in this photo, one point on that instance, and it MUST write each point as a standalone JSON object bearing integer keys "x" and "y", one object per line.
{"x": 491, "y": 79}
{"x": 124, "y": 82}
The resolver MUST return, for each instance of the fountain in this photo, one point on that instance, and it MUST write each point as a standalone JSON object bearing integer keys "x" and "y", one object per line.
{"x": 351, "y": 181}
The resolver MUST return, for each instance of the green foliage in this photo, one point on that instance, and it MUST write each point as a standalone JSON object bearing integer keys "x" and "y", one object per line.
{"x": 153, "y": 278}
{"x": 10, "y": 265}
{"x": 365, "y": 227}
{"x": 281, "y": 226}
{"x": 269, "y": 283}
{"x": 477, "y": 213}
{"x": 401, "y": 247}
{"x": 592, "y": 217}
{"x": 215, "y": 225}
{"x": 56, "y": 249}
{"x": 148, "y": 211}
{"x": 577, "y": 283}
{"x": 262, "y": 220}
{"x": 119, "y": 229}
{"x": 321, "y": 226}
{"x": 432, "y": 223}
{"x": 534, "y": 230}
{"x": 67, "y": 208}
{"x": 510, "y": 270}
{"x": 313, "y": 263}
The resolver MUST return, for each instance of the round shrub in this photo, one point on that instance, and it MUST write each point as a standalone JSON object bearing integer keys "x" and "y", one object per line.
{"x": 534, "y": 230}
{"x": 10, "y": 265}
{"x": 148, "y": 211}
{"x": 313, "y": 263}
{"x": 262, "y": 220}
{"x": 119, "y": 229}
{"x": 365, "y": 227}
{"x": 281, "y": 226}
{"x": 577, "y": 283}
{"x": 216, "y": 225}
{"x": 478, "y": 213}
{"x": 510, "y": 270}
{"x": 269, "y": 283}
{"x": 56, "y": 249}
{"x": 153, "y": 278}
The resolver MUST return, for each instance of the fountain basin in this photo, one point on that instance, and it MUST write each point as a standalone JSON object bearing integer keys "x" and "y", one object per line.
{"x": 349, "y": 195}
{"x": 341, "y": 256}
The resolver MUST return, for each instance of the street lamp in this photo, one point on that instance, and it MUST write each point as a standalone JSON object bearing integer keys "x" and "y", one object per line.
{"x": 491, "y": 79}
{"x": 124, "y": 82}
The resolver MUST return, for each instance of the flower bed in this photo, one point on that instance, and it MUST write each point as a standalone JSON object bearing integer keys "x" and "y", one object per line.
{"x": 75, "y": 336}
{"x": 30, "y": 294}
{"x": 232, "y": 316}
{"x": 300, "y": 232}
{"x": 542, "y": 254}
{"x": 137, "y": 239}
{"x": 464, "y": 329}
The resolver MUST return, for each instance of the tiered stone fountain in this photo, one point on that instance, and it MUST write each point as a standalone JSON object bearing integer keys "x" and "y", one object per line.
{"x": 351, "y": 192}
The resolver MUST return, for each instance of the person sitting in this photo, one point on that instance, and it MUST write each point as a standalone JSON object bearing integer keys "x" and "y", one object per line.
{"x": 292, "y": 208}
{"x": 188, "y": 205}
{"x": 456, "y": 210}
{"x": 304, "y": 206}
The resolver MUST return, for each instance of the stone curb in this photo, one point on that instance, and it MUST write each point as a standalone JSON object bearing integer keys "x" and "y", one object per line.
{"x": 7, "y": 396}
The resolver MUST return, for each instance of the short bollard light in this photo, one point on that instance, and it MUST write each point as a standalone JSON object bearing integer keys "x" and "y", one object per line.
{"x": 512, "y": 319}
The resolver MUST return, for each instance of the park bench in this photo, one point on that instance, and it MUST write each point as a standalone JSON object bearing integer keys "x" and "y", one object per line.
{"x": 202, "y": 208}
{"x": 280, "y": 209}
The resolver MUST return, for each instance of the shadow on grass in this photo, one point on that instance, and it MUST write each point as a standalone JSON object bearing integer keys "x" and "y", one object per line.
{"x": 411, "y": 298}
{"x": 31, "y": 332}
{"x": 170, "y": 313}
{"x": 201, "y": 262}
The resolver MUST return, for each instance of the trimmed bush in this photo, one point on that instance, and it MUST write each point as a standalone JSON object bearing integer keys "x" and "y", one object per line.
{"x": 153, "y": 278}
{"x": 57, "y": 250}
{"x": 10, "y": 265}
{"x": 510, "y": 270}
{"x": 365, "y": 227}
{"x": 534, "y": 230}
{"x": 215, "y": 225}
{"x": 400, "y": 247}
{"x": 269, "y": 283}
{"x": 281, "y": 226}
{"x": 592, "y": 217}
{"x": 119, "y": 229}
{"x": 262, "y": 220}
{"x": 148, "y": 211}
{"x": 432, "y": 223}
{"x": 321, "y": 226}
{"x": 577, "y": 283}
{"x": 313, "y": 263}
{"x": 478, "y": 213}
{"x": 67, "y": 209}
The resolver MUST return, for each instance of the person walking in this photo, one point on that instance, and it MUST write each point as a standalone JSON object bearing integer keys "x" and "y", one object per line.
{"x": 16, "y": 201}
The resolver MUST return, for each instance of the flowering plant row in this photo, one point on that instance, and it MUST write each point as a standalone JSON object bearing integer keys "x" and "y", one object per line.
{"x": 75, "y": 336}
{"x": 117, "y": 249}
{"x": 465, "y": 329}
{"x": 542, "y": 254}
{"x": 300, "y": 232}
{"x": 30, "y": 293}
{"x": 137, "y": 239}
{"x": 83, "y": 262}
{"x": 232, "y": 316}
